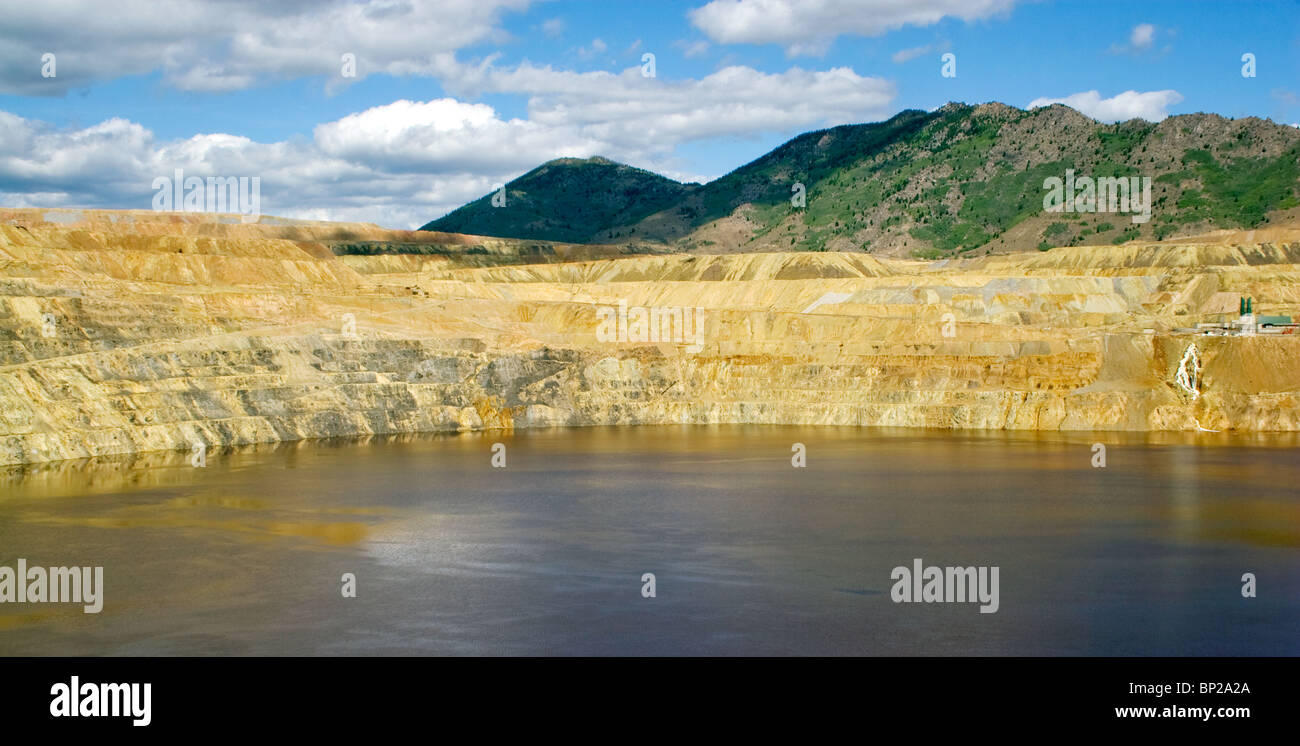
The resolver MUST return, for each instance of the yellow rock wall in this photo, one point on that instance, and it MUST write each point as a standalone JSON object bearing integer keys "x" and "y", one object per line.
{"x": 159, "y": 332}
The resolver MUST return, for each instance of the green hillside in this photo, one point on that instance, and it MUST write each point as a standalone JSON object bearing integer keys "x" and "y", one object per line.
{"x": 568, "y": 199}
{"x": 957, "y": 181}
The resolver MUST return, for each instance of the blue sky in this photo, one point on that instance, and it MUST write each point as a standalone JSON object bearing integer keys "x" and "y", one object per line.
{"x": 454, "y": 96}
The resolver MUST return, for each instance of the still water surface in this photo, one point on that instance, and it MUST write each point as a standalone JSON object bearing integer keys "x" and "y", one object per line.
{"x": 750, "y": 555}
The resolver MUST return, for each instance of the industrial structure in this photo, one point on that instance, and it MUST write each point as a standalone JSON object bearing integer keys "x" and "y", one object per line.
{"x": 1248, "y": 323}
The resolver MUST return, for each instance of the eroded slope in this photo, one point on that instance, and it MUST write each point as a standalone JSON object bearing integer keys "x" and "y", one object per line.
{"x": 116, "y": 338}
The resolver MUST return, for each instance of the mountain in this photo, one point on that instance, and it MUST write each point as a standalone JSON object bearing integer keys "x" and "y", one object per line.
{"x": 568, "y": 199}
{"x": 958, "y": 181}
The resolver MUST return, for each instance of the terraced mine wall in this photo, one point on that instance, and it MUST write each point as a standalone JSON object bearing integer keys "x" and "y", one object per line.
{"x": 120, "y": 337}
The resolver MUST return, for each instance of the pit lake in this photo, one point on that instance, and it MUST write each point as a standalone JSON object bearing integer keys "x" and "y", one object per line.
{"x": 749, "y": 554}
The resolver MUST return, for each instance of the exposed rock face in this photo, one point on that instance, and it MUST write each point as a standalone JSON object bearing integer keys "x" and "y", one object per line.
{"x": 119, "y": 337}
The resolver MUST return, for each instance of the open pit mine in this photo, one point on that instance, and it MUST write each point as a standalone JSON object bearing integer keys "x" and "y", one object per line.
{"x": 133, "y": 331}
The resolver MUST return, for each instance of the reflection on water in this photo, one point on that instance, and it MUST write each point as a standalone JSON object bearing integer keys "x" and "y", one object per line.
{"x": 751, "y": 556}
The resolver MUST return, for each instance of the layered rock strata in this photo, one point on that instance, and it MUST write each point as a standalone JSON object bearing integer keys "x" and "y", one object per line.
{"x": 162, "y": 332}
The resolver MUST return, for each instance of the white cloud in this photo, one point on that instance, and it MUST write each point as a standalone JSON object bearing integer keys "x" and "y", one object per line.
{"x": 207, "y": 46}
{"x": 691, "y": 50}
{"x": 1151, "y": 105}
{"x": 447, "y": 135}
{"x": 807, "y": 27}
{"x": 906, "y": 55}
{"x": 398, "y": 165}
{"x": 553, "y": 27}
{"x": 641, "y": 116}
{"x": 404, "y": 163}
{"x": 1142, "y": 36}
{"x": 597, "y": 47}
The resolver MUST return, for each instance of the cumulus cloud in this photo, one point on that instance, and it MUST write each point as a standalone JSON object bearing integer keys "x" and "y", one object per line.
{"x": 207, "y": 46}
{"x": 397, "y": 164}
{"x": 807, "y": 27}
{"x": 640, "y": 115}
{"x": 447, "y": 135}
{"x": 1151, "y": 105}
{"x": 400, "y": 164}
{"x": 1140, "y": 39}
{"x": 403, "y": 163}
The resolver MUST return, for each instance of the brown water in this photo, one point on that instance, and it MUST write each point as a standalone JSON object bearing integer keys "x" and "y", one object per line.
{"x": 751, "y": 556}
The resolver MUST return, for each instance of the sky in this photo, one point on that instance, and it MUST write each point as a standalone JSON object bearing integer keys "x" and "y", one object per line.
{"x": 398, "y": 111}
